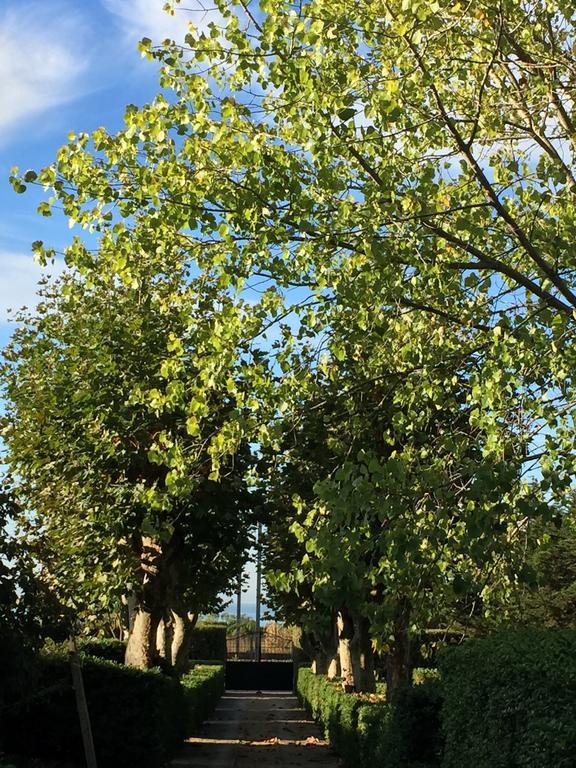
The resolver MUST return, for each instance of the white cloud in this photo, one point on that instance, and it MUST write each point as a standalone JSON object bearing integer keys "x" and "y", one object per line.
{"x": 146, "y": 18}
{"x": 19, "y": 281}
{"x": 41, "y": 59}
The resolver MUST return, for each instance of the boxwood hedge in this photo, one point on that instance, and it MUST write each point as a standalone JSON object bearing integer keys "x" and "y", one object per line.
{"x": 510, "y": 700}
{"x": 138, "y": 717}
{"x": 368, "y": 732}
{"x": 208, "y": 641}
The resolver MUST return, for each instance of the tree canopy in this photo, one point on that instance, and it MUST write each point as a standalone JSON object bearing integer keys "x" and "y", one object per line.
{"x": 408, "y": 157}
{"x": 124, "y": 440}
{"x": 361, "y": 225}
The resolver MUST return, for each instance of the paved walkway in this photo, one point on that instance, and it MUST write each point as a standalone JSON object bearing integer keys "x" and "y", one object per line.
{"x": 249, "y": 730}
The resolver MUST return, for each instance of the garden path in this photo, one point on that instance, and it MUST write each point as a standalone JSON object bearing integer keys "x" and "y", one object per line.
{"x": 250, "y": 730}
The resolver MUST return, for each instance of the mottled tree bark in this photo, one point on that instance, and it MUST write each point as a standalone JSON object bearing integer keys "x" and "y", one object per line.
{"x": 183, "y": 623}
{"x": 334, "y": 667}
{"x": 162, "y": 641}
{"x": 141, "y": 647}
{"x": 332, "y": 652}
{"x": 165, "y": 635}
{"x": 345, "y": 634}
{"x": 319, "y": 664}
{"x": 355, "y": 652}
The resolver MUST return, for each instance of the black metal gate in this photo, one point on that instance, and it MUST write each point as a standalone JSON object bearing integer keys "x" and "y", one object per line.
{"x": 260, "y": 662}
{"x": 259, "y": 675}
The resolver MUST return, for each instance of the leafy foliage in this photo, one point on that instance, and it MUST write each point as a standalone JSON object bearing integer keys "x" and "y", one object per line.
{"x": 389, "y": 493}
{"x": 547, "y": 598}
{"x": 509, "y": 700}
{"x": 370, "y": 732}
{"x": 103, "y": 449}
{"x": 392, "y": 190}
{"x": 138, "y": 717}
{"x": 208, "y": 642}
{"x": 29, "y": 612}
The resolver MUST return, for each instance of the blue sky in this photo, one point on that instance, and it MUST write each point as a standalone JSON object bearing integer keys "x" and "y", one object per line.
{"x": 64, "y": 66}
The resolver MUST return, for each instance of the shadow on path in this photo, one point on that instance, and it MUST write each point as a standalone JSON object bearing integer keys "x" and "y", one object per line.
{"x": 250, "y": 730}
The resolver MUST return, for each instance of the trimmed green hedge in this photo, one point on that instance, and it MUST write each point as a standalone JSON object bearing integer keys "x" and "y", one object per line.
{"x": 510, "y": 700}
{"x": 107, "y": 648}
{"x": 103, "y": 648}
{"x": 367, "y": 732}
{"x": 203, "y": 686}
{"x": 208, "y": 642}
{"x": 139, "y": 717}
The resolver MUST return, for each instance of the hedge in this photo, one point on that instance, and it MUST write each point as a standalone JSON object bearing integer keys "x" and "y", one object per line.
{"x": 208, "y": 642}
{"x": 510, "y": 700}
{"x": 203, "y": 686}
{"x": 368, "y": 732}
{"x": 103, "y": 648}
{"x": 107, "y": 648}
{"x": 138, "y": 717}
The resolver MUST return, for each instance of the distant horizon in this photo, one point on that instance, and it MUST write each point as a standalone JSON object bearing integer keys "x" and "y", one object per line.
{"x": 248, "y": 609}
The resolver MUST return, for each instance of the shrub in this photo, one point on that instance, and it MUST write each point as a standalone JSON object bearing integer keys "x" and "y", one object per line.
{"x": 366, "y": 731}
{"x": 510, "y": 700}
{"x": 344, "y": 727}
{"x": 103, "y": 648}
{"x": 18, "y": 673}
{"x": 138, "y": 717}
{"x": 107, "y": 648}
{"x": 415, "y": 724}
{"x": 423, "y": 674}
{"x": 208, "y": 642}
{"x": 202, "y": 687}
{"x": 373, "y": 735}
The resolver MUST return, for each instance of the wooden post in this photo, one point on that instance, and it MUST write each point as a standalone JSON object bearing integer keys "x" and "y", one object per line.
{"x": 82, "y": 705}
{"x": 258, "y": 594}
{"x": 238, "y": 614}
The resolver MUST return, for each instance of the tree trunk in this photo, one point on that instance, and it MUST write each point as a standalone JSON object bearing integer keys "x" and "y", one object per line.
{"x": 345, "y": 634}
{"x": 161, "y": 639}
{"x": 398, "y": 669}
{"x": 141, "y": 647}
{"x": 128, "y": 612}
{"x": 165, "y": 636}
{"x": 332, "y": 654}
{"x": 322, "y": 647}
{"x": 355, "y": 651}
{"x": 334, "y": 667}
{"x": 320, "y": 662}
{"x": 363, "y": 657}
{"x": 182, "y": 626}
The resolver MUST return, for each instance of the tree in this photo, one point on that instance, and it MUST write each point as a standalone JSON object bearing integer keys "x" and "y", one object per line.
{"x": 29, "y": 613}
{"x": 125, "y": 447}
{"x": 417, "y": 156}
{"x": 303, "y": 457}
{"x": 404, "y": 505}
{"x": 546, "y": 596}
{"x": 411, "y": 158}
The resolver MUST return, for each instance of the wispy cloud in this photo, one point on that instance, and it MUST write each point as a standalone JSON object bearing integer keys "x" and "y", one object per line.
{"x": 19, "y": 282}
{"x": 41, "y": 59}
{"x": 146, "y": 18}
